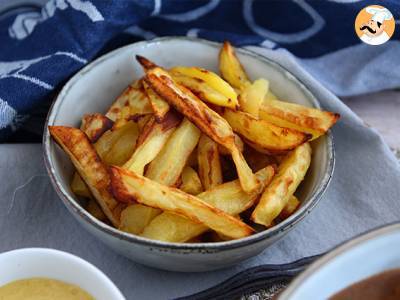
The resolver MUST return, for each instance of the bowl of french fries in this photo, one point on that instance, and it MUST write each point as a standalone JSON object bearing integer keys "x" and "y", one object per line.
{"x": 188, "y": 155}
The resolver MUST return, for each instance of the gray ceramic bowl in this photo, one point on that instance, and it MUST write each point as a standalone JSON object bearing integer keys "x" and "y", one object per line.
{"x": 95, "y": 87}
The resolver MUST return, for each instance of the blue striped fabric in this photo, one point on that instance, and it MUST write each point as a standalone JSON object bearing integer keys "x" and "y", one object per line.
{"x": 41, "y": 47}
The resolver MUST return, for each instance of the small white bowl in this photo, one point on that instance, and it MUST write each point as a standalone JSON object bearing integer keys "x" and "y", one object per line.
{"x": 367, "y": 255}
{"x": 53, "y": 264}
{"x": 94, "y": 88}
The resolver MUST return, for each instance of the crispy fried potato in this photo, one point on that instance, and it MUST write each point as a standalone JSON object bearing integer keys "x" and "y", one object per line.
{"x": 291, "y": 206}
{"x": 275, "y": 197}
{"x": 79, "y": 187}
{"x": 95, "y": 210}
{"x": 229, "y": 197}
{"x": 203, "y": 90}
{"x": 145, "y": 63}
{"x": 131, "y": 104}
{"x": 167, "y": 167}
{"x": 151, "y": 140}
{"x": 208, "y": 121}
{"x": 213, "y": 80}
{"x": 159, "y": 106}
{"x": 94, "y": 125}
{"x": 268, "y": 137}
{"x": 127, "y": 186}
{"x": 191, "y": 183}
{"x": 209, "y": 165}
{"x": 231, "y": 68}
{"x": 238, "y": 142}
{"x": 252, "y": 96}
{"x": 89, "y": 166}
{"x": 136, "y": 217}
{"x": 298, "y": 117}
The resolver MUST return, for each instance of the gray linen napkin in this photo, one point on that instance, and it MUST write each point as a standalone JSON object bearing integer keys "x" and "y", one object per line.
{"x": 364, "y": 193}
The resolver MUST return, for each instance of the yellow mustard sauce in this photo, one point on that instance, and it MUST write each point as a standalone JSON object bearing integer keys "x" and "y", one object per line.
{"x": 42, "y": 289}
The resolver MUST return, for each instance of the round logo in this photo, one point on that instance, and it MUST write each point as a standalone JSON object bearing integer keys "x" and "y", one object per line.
{"x": 374, "y": 25}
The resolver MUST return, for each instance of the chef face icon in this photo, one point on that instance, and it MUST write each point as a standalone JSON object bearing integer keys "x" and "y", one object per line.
{"x": 374, "y": 25}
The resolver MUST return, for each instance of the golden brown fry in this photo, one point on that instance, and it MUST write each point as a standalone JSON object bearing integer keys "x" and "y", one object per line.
{"x": 291, "y": 206}
{"x": 252, "y": 96}
{"x": 128, "y": 186}
{"x": 151, "y": 140}
{"x": 145, "y": 63}
{"x": 94, "y": 125}
{"x": 131, "y": 104}
{"x": 275, "y": 197}
{"x": 298, "y": 117}
{"x": 208, "y": 121}
{"x": 136, "y": 217}
{"x": 159, "y": 106}
{"x": 167, "y": 167}
{"x": 191, "y": 183}
{"x": 95, "y": 210}
{"x": 230, "y": 67}
{"x": 89, "y": 166}
{"x": 209, "y": 165}
{"x": 265, "y": 136}
{"x": 212, "y": 80}
{"x": 238, "y": 142}
{"x": 204, "y": 91}
{"x": 229, "y": 197}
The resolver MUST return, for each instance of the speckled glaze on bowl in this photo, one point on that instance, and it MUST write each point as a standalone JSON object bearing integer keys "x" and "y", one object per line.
{"x": 96, "y": 86}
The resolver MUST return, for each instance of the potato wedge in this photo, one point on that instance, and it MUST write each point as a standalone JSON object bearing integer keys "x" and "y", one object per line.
{"x": 94, "y": 125}
{"x": 191, "y": 183}
{"x": 136, "y": 217}
{"x": 209, "y": 165}
{"x": 276, "y": 196}
{"x": 151, "y": 140}
{"x": 203, "y": 90}
{"x": 230, "y": 67}
{"x": 128, "y": 186}
{"x": 211, "y": 79}
{"x": 229, "y": 197}
{"x": 89, "y": 166}
{"x": 291, "y": 206}
{"x": 238, "y": 142}
{"x": 159, "y": 105}
{"x": 131, "y": 104}
{"x": 167, "y": 167}
{"x": 208, "y": 121}
{"x": 268, "y": 137}
{"x": 252, "y": 96}
{"x": 298, "y": 117}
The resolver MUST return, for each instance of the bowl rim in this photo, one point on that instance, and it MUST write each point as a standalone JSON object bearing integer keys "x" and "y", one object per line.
{"x": 95, "y": 272}
{"x": 341, "y": 249}
{"x": 287, "y": 224}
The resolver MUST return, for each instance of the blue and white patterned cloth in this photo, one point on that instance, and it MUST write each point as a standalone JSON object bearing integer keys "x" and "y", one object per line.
{"x": 41, "y": 47}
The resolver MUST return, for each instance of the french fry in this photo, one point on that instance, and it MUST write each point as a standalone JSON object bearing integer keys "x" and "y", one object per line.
{"x": 131, "y": 104}
{"x": 208, "y": 121}
{"x": 94, "y": 125}
{"x": 79, "y": 187}
{"x": 211, "y": 79}
{"x": 238, "y": 142}
{"x": 204, "y": 91}
{"x": 167, "y": 167}
{"x": 209, "y": 165}
{"x": 151, "y": 140}
{"x": 136, "y": 217}
{"x": 298, "y": 117}
{"x": 229, "y": 197}
{"x": 128, "y": 186}
{"x": 89, "y": 166}
{"x": 191, "y": 183}
{"x": 231, "y": 68}
{"x": 252, "y": 96}
{"x": 159, "y": 106}
{"x": 291, "y": 206}
{"x": 268, "y": 137}
{"x": 95, "y": 210}
{"x": 275, "y": 197}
